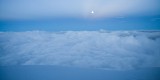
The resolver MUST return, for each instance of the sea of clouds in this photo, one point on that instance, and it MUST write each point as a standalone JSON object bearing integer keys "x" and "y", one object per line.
{"x": 90, "y": 49}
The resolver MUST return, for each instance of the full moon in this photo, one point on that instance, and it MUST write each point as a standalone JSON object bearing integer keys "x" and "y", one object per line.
{"x": 92, "y": 12}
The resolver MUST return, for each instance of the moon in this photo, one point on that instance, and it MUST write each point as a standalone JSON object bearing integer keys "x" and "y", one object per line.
{"x": 92, "y": 12}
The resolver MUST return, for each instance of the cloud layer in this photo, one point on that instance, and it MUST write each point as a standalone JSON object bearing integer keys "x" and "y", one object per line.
{"x": 91, "y": 49}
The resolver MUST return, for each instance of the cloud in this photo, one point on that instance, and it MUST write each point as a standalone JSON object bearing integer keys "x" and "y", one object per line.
{"x": 91, "y": 49}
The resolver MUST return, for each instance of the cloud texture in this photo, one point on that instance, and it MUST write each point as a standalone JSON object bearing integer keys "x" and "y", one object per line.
{"x": 91, "y": 49}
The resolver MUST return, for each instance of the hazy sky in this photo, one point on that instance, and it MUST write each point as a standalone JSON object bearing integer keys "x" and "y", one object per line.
{"x": 28, "y": 9}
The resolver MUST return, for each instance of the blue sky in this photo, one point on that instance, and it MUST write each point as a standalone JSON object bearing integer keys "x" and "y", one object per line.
{"x": 17, "y": 15}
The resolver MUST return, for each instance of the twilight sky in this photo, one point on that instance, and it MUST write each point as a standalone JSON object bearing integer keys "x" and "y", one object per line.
{"x": 34, "y": 9}
{"x": 64, "y": 15}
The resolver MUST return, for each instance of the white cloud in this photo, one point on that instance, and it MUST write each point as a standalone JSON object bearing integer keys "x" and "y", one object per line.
{"x": 92, "y": 49}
